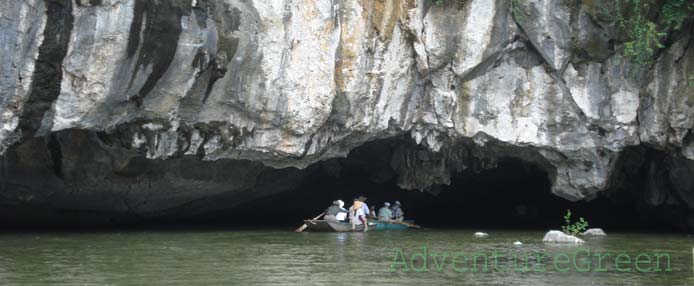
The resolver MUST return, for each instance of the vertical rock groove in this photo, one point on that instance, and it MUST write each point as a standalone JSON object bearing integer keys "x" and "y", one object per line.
{"x": 48, "y": 73}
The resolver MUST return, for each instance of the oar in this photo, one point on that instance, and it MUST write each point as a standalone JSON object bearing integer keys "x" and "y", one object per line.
{"x": 304, "y": 226}
{"x": 405, "y": 223}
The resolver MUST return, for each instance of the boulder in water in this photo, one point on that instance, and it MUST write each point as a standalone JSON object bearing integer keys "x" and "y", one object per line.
{"x": 594, "y": 232}
{"x": 481, "y": 234}
{"x": 555, "y": 236}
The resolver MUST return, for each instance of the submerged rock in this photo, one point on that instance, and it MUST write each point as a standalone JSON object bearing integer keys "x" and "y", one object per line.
{"x": 481, "y": 234}
{"x": 555, "y": 236}
{"x": 594, "y": 232}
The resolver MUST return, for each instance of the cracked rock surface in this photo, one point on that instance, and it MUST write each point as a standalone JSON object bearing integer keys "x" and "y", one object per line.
{"x": 159, "y": 97}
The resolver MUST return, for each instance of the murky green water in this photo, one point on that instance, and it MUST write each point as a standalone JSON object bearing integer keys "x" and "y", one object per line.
{"x": 271, "y": 257}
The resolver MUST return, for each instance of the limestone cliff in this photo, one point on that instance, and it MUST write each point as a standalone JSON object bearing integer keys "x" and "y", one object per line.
{"x": 146, "y": 101}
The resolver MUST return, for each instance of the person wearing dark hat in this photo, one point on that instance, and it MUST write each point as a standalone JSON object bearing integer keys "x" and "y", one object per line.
{"x": 357, "y": 213}
{"x": 398, "y": 214}
{"x": 332, "y": 212}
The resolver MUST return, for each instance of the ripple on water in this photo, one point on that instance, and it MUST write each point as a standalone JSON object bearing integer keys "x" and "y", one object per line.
{"x": 273, "y": 257}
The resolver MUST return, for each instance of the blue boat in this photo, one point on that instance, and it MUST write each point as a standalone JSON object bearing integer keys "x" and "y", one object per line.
{"x": 336, "y": 226}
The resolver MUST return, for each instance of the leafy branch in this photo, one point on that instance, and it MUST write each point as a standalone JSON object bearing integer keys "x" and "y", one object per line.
{"x": 645, "y": 34}
{"x": 574, "y": 228}
{"x": 516, "y": 10}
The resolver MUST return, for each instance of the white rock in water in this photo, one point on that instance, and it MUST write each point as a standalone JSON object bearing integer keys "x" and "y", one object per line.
{"x": 481, "y": 234}
{"x": 517, "y": 243}
{"x": 555, "y": 236}
{"x": 594, "y": 232}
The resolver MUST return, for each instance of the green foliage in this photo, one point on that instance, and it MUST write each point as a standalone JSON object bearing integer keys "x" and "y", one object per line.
{"x": 573, "y": 228}
{"x": 691, "y": 80}
{"x": 675, "y": 12}
{"x": 516, "y": 10}
{"x": 645, "y": 34}
{"x": 440, "y": 2}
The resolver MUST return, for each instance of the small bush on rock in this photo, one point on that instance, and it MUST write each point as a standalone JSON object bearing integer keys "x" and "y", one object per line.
{"x": 574, "y": 228}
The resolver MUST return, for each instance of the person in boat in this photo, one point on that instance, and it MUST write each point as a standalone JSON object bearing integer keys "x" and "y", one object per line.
{"x": 397, "y": 212}
{"x": 362, "y": 199}
{"x": 333, "y": 212}
{"x": 384, "y": 213}
{"x": 372, "y": 213}
{"x": 364, "y": 206}
{"x": 343, "y": 216}
{"x": 357, "y": 213}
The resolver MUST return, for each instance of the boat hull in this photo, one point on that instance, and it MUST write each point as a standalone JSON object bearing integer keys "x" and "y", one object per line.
{"x": 332, "y": 226}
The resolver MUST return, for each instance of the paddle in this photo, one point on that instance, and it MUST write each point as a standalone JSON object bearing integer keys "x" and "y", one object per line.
{"x": 404, "y": 223}
{"x": 304, "y": 226}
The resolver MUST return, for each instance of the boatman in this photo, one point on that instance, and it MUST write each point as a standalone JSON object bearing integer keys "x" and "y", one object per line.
{"x": 362, "y": 199}
{"x": 398, "y": 214}
{"x": 384, "y": 213}
{"x": 357, "y": 214}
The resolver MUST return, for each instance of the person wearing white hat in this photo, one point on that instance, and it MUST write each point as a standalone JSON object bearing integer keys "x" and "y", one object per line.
{"x": 343, "y": 212}
{"x": 384, "y": 213}
{"x": 334, "y": 211}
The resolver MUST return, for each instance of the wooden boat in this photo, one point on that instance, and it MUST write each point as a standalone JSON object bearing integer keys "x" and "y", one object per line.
{"x": 330, "y": 226}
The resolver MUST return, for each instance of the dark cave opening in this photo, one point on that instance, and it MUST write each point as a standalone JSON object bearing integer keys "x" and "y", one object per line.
{"x": 498, "y": 187}
{"x": 514, "y": 195}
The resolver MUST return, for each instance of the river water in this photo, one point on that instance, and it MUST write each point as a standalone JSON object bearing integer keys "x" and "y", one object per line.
{"x": 271, "y": 257}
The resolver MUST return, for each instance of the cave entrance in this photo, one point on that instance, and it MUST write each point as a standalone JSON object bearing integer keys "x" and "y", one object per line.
{"x": 513, "y": 195}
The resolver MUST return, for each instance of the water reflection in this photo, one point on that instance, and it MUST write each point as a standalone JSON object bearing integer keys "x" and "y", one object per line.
{"x": 273, "y": 257}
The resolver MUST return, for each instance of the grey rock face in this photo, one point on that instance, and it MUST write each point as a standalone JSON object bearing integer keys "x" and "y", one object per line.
{"x": 288, "y": 84}
{"x": 98, "y": 182}
{"x": 667, "y": 109}
{"x": 22, "y": 24}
